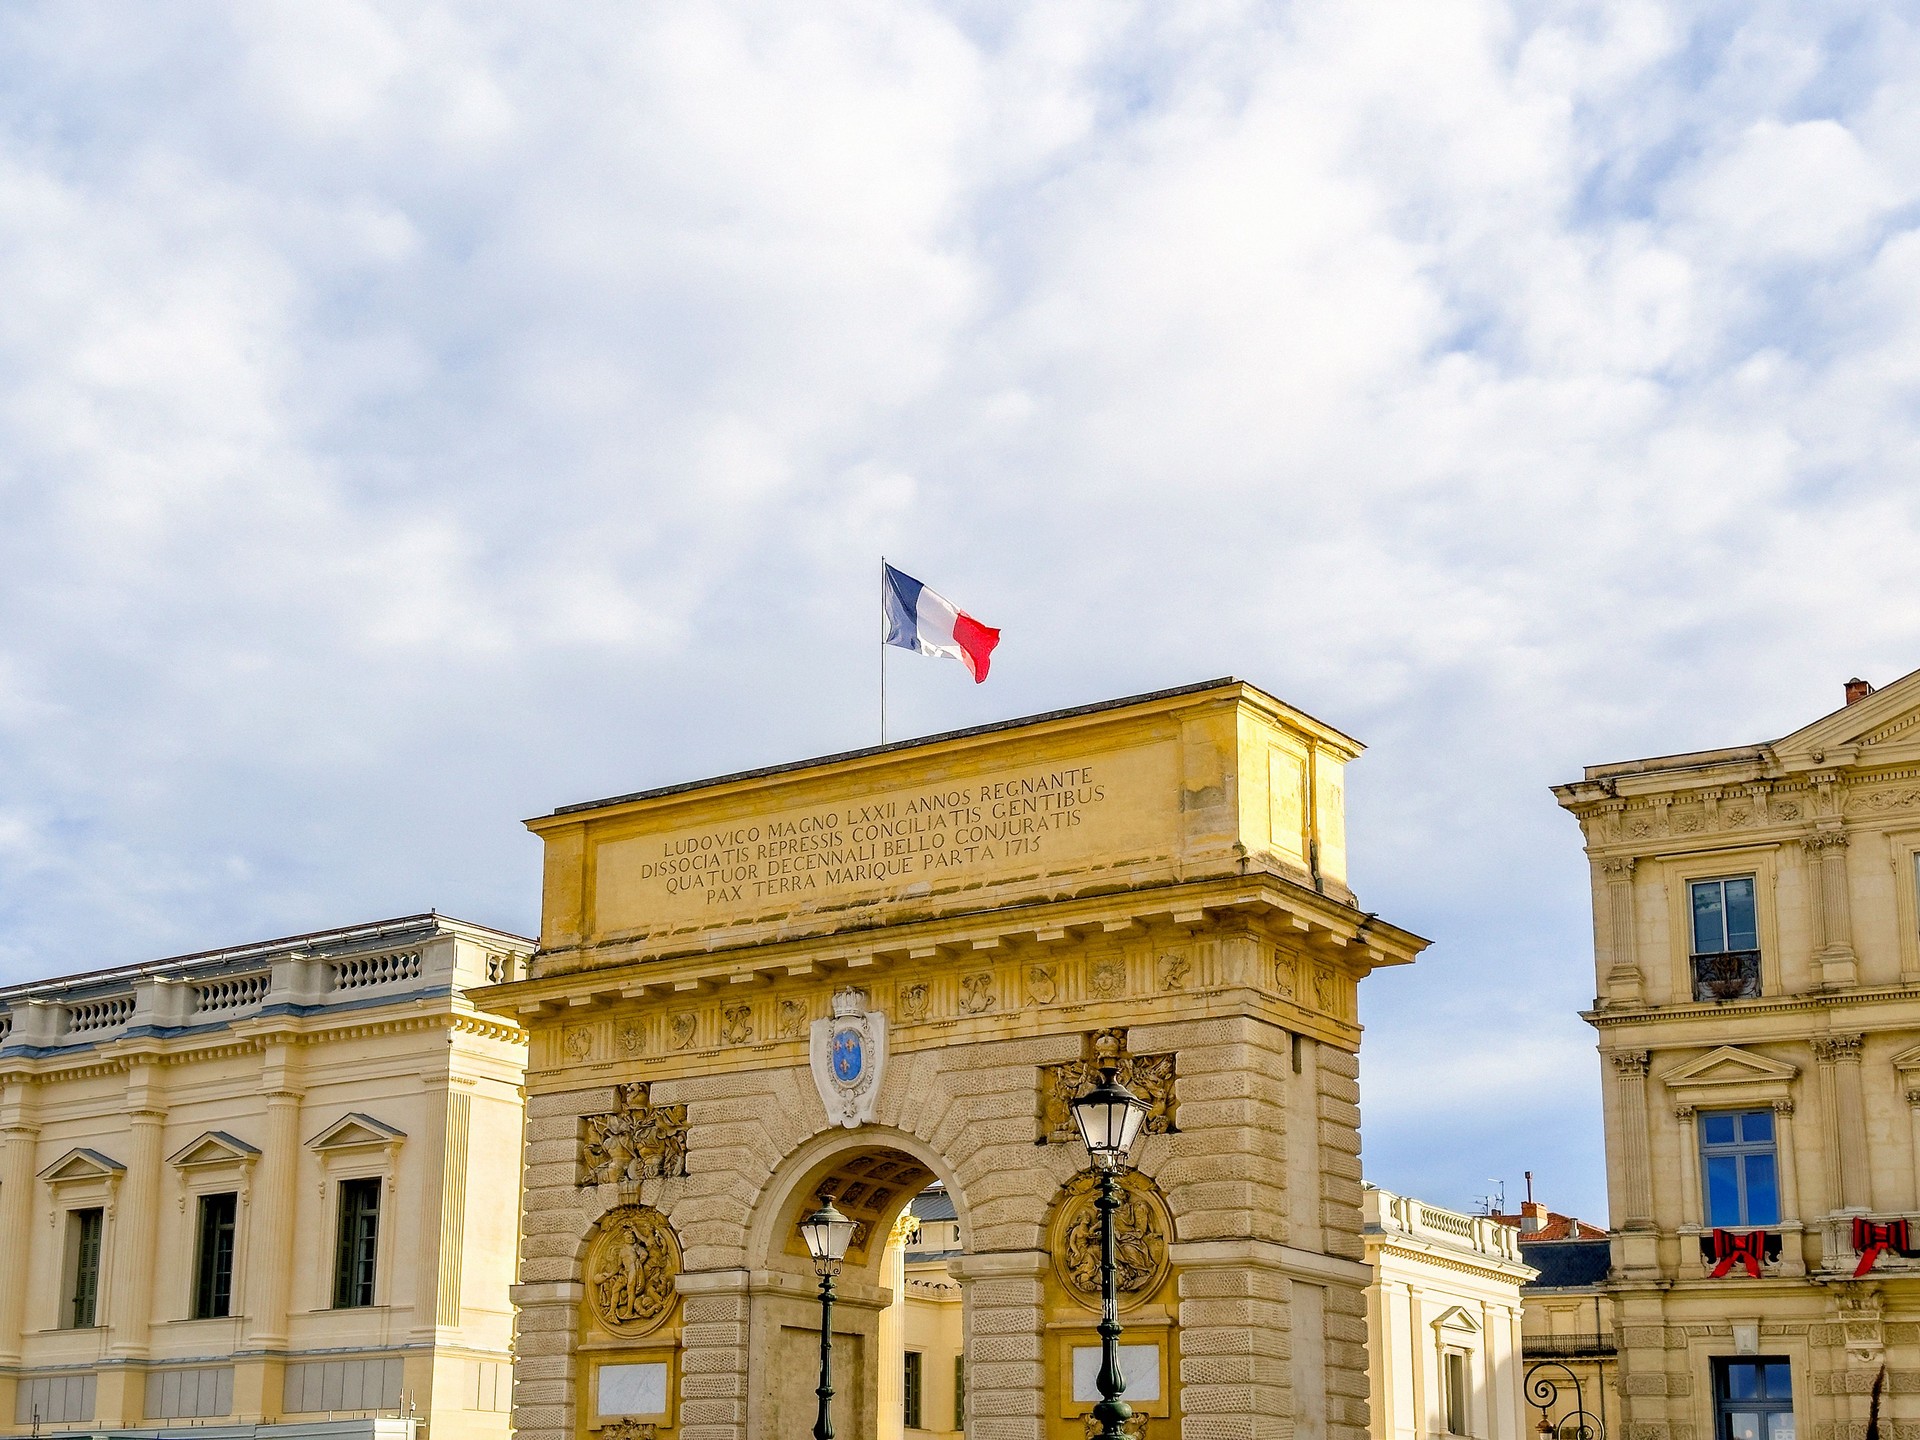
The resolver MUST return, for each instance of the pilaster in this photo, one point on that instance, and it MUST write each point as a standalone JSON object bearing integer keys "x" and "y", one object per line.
{"x": 1844, "y": 1115}
{"x": 135, "y": 1234}
{"x": 1826, "y": 854}
{"x": 1006, "y": 1385}
{"x": 1624, "y": 982}
{"x": 269, "y": 1265}
{"x": 544, "y": 1407}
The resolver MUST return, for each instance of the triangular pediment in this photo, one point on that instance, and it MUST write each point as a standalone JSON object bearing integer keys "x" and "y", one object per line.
{"x": 216, "y": 1147}
{"x": 356, "y": 1132}
{"x": 1729, "y": 1065}
{"x": 1907, "y": 1059}
{"x": 82, "y": 1164}
{"x": 1885, "y": 721}
{"x": 1457, "y": 1317}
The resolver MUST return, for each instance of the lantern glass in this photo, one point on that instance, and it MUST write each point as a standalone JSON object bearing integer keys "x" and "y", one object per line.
{"x": 1109, "y": 1117}
{"x": 828, "y": 1233}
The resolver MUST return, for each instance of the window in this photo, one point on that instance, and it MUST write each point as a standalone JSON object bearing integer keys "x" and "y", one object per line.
{"x": 1753, "y": 1399}
{"x": 213, "y": 1259}
{"x": 960, "y": 1392}
{"x": 1726, "y": 939}
{"x": 1737, "y": 1159}
{"x": 914, "y": 1379}
{"x": 1459, "y": 1389}
{"x": 359, "y": 1237}
{"x": 83, "y": 1267}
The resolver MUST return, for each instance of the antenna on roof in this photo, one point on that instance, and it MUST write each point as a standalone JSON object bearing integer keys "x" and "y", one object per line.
{"x": 1496, "y": 1203}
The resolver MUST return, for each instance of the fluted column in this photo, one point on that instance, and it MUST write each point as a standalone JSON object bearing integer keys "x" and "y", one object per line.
{"x": 270, "y": 1237}
{"x": 1693, "y": 1207}
{"x": 1833, "y": 952}
{"x": 136, "y": 1235}
{"x": 1846, "y": 1120}
{"x": 1625, "y": 984}
{"x": 891, "y": 1338}
{"x": 1636, "y": 1187}
{"x": 18, "y": 1140}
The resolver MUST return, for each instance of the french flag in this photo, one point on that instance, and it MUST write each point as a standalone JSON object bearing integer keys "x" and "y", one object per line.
{"x": 919, "y": 619}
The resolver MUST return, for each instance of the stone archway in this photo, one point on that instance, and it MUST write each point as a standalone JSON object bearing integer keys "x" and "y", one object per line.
{"x": 1157, "y": 882}
{"x": 873, "y": 1175}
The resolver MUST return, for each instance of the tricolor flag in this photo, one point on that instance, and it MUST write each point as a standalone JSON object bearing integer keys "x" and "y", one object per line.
{"x": 919, "y": 619}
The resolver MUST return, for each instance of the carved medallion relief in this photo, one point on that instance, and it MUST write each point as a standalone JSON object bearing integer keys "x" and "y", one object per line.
{"x": 1141, "y": 1227}
{"x": 631, "y": 1268}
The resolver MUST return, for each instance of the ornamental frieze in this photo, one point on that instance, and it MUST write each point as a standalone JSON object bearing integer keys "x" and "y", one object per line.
{"x": 1150, "y": 1077}
{"x": 635, "y": 1141}
{"x": 1141, "y": 1227}
{"x": 631, "y": 1268}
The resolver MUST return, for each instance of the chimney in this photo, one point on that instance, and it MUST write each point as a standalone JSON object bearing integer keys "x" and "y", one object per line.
{"x": 1533, "y": 1217}
{"x": 1857, "y": 690}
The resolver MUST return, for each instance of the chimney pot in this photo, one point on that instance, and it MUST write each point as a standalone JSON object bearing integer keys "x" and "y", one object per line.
{"x": 1857, "y": 690}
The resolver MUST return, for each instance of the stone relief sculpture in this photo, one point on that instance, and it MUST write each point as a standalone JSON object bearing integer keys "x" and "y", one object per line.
{"x": 1140, "y": 1229}
{"x": 631, "y": 1268}
{"x": 976, "y": 993}
{"x": 1151, "y": 1077}
{"x": 636, "y": 1141}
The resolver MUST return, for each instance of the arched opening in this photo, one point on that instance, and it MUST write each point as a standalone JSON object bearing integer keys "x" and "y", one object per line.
{"x": 899, "y": 1321}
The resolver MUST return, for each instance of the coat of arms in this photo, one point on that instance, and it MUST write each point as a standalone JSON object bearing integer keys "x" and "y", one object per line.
{"x": 849, "y": 1056}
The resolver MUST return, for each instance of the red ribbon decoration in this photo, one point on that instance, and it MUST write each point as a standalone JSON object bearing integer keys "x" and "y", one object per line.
{"x": 1730, "y": 1249}
{"x": 1873, "y": 1238}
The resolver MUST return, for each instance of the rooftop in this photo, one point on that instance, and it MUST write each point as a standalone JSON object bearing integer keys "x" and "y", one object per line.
{"x": 1567, "y": 1264}
{"x": 946, "y": 736}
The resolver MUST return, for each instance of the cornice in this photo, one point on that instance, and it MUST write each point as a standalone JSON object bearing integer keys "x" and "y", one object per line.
{"x": 1765, "y": 1005}
{"x": 305, "y": 1031}
{"x": 1319, "y": 926}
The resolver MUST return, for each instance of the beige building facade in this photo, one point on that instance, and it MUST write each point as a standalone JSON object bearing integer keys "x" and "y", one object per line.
{"x": 1159, "y": 881}
{"x": 1443, "y": 1323}
{"x": 1757, "y": 946}
{"x": 272, "y": 1185}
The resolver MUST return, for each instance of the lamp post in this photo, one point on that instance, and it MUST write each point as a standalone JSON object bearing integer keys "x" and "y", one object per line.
{"x": 827, "y": 1233}
{"x": 1108, "y": 1117}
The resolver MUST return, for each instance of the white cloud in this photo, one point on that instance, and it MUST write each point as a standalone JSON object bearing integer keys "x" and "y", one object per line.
{"x": 414, "y": 416}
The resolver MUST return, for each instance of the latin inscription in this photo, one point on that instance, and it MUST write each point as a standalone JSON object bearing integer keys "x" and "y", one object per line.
{"x": 882, "y": 840}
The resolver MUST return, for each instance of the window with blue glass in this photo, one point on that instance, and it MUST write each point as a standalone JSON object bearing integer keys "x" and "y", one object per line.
{"x": 1723, "y": 916}
{"x": 1737, "y": 1161}
{"x": 1754, "y": 1399}
{"x": 1726, "y": 939}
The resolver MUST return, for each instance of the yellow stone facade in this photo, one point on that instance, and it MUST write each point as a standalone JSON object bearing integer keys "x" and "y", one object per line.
{"x": 175, "y": 1142}
{"x": 1161, "y": 880}
{"x": 1443, "y": 1323}
{"x": 1809, "y": 1025}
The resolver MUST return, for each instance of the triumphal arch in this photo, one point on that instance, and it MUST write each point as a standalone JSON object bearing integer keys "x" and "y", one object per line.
{"x": 862, "y": 975}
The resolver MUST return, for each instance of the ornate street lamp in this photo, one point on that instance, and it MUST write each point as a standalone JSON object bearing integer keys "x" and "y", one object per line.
{"x": 827, "y": 1233}
{"x": 1109, "y": 1117}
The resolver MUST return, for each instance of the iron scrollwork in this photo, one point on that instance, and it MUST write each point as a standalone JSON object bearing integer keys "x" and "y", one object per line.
{"x": 1543, "y": 1394}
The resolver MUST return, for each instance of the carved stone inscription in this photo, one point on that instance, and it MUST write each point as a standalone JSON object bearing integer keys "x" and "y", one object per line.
{"x": 888, "y": 838}
{"x": 636, "y": 1141}
{"x": 1012, "y": 823}
{"x": 1150, "y": 1077}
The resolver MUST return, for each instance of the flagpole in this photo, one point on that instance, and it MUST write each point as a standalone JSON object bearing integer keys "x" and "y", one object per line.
{"x": 883, "y": 649}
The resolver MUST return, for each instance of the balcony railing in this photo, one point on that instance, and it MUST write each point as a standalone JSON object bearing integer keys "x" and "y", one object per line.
{"x": 1732, "y": 975}
{"x": 1563, "y": 1347}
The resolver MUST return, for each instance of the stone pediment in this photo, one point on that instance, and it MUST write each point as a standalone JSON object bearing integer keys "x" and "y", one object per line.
{"x": 1907, "y": 1059}
{"x": 1458, "y": 1318}
{"x": 356, "y": 1132}
{"x": 216, "y": 1147}
{"x": 1885, "y": 722}
{"x": 82, "y": 1164}
{"x": 1729, "y": 1075}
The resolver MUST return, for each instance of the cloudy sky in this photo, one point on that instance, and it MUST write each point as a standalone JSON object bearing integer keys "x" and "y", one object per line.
{"x": 415, "y": 416}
